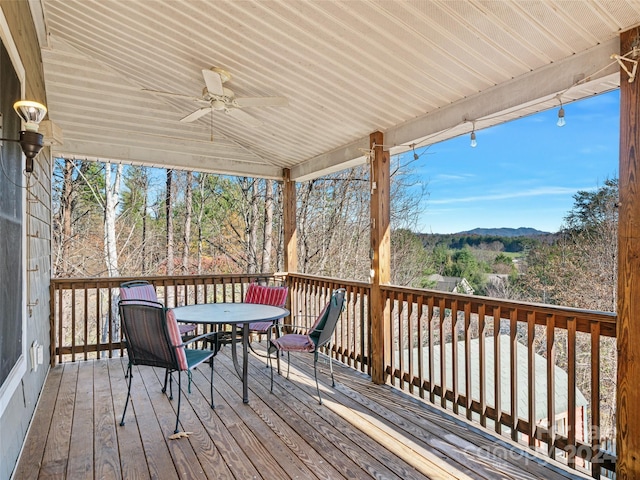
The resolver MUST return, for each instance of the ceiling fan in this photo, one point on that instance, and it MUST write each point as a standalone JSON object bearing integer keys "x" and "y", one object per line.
{"x": 221, "y": 99}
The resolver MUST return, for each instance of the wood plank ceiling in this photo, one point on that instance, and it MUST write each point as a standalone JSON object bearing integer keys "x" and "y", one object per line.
{"x": 419, "y": 71}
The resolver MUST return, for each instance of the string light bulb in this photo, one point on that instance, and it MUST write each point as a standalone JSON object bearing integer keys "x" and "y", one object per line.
{"x": 473, "y": 143}
{"x": 561, "y": 121}
{"x": 415, "y": 155}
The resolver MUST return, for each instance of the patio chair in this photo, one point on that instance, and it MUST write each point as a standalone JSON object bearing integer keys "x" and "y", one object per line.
{"x": 143, "y": 290}
{"x": 265, "y": 295}
{"x": 153, "y": 339}
{"x": 319, "y": 335}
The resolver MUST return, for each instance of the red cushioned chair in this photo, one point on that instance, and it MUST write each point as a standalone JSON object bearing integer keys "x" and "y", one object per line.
{"x": 265, "y": 295}
{"x": 153, "y": 339}
{"x": 319, "y": 335}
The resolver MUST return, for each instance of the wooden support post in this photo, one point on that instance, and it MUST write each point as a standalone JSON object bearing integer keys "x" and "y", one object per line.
{"x": 289, "y": 221}
{"x": 628, "y": 328}
{"x": 381, "y": 257}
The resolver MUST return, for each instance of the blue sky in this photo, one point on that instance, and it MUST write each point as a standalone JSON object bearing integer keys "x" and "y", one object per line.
{"x": 523, "y": 173}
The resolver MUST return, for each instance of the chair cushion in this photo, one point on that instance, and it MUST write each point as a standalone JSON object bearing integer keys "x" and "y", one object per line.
{"x": 139, "y": 292}
{"x": 294, "y": 342}
{"x": 196, "y": 356}
{"x": 276, "y": 296}
{"x": 260, "y": 327}
{"x": 176, "y": 339}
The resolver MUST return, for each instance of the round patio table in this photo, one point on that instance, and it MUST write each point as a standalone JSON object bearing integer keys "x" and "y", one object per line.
{"x": 232, "y": 314}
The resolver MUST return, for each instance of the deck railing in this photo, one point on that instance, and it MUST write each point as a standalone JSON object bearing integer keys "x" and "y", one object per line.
{"x": 84, "y": 311}
{"x": 481, "y": 358}
{"x": 541, "y": 361}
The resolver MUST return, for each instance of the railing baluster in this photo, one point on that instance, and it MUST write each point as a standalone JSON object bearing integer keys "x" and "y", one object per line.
{"x": 443, "y": 358}
{"x": 531, "y": 360}
{"x": 85, "y": 333}
{"x": 419, "y": 327}
{"x": 73, "y": 324}
{"x": 454, "y": 354}
{"x": 467, "y": 360}
{"x": 595, "y": 400}
{"x": 551, "y": 386}
{"x": 397, "y": 300}
{"x": 410, "y": 342}
{"x": 513, "y": 354}
{"x": 497, "y": 369}
{"x": 60, "y": 322}
{"x": 571, "y": 394}
{"x": 432, "y": 383}
{"x": 482, "y": 359}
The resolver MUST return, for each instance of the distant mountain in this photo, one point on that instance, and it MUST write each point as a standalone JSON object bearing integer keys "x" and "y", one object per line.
{"x": 505, "y": 232}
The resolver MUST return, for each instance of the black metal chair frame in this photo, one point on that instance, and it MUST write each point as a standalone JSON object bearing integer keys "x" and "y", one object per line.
{"x": 165, "y": 355}
{"x": 321, "y": 336}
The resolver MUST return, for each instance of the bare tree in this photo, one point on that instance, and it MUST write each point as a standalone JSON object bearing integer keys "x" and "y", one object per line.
{"x": 188, "y": 202}
{"x": 169, "y": 213}
{"x": 65, "y": 234}
{"x": 268, "y": 226}
{"x": 112, "y": 196}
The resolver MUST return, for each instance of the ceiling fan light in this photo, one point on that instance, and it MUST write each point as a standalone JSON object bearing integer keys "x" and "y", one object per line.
{"x": 218, "y": 105}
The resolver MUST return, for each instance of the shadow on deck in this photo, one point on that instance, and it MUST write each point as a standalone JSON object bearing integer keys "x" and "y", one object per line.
{"x": 362, "y": 430}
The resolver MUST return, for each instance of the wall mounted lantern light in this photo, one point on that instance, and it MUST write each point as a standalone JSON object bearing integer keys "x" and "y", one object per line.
{"x": 31, "y": 141}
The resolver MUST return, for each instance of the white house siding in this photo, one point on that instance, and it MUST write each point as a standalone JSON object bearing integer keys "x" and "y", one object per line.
{"x": 20, "y": 403}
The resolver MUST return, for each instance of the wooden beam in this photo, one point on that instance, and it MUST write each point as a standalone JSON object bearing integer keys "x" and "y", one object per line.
{"x": 290, "y": 227}
{"x": 628, "y": 332}
{"x": 381, "y": 257}
{"x": 137, "y": 155}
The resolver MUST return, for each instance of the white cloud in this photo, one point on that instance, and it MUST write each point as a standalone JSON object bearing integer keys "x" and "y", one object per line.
{"x": 536, "y": 192}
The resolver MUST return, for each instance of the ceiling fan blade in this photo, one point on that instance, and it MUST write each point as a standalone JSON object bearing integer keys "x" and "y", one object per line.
{"x": 213, "y": 81}
{"x": 171, "y": 94}
{"x": 192, "y": 117}
{"x": 243, "y": 117}
{"x": 262, "y": 101}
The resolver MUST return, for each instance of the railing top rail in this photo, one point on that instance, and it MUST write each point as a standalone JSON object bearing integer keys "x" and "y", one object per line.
{"x": 116, "y": 281}
{"x": 340, "y": 281}
{"x": 541, "y": 307}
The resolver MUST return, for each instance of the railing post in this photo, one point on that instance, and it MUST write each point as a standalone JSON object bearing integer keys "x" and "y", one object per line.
{"x": 289, "y": 227}
{"x": 380, "y": 261}
{"x": 628, "y": 328}
{"x": 289, "y": 203}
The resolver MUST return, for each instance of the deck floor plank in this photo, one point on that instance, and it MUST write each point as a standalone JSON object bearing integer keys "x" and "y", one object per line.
{"x": 228, "y": 409}
{"x": 132, "y": 456}
{"x": 214, "y": 447}
{"x": 56, "y": 453}
{"x": 182, "y": 453}
{"x": 141, "y": 420}
{"x": 284, "y": 443}
{"x": 107, "y": 455}
{"x": 369, "y": 456}
{"x": 411, "y": 466}
{"x": 33, "y": 452}
{"x": 362, "y": 430}
{"x": 295, "y": 438}
{"x": 81, "y": 447}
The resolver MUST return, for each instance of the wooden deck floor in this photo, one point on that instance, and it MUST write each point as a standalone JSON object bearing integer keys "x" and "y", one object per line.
{"x": 361, "y": 431}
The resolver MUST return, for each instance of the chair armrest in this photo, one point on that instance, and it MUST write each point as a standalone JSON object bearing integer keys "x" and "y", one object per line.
{"x": 300, "y": 327}
{"x": 198, "y": 338}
